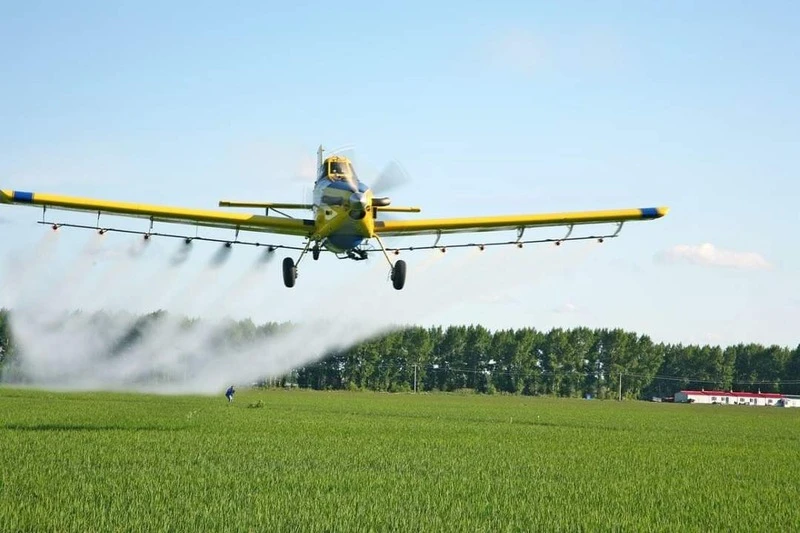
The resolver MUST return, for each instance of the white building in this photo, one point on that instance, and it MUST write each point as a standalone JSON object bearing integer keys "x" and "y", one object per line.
{"x": 789, "y": 400}
{"x": 736, "y": 398}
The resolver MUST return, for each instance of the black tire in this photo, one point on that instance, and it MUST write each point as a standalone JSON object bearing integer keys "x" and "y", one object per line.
{"x": 399, "y": 274}
{"x": 315, "y": 252}
{"x": 289, "y": 272}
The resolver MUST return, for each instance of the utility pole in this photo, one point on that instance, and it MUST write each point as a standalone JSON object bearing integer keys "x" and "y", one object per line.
{"x": 415, "y": 378}
{"x": 620, "y": 385}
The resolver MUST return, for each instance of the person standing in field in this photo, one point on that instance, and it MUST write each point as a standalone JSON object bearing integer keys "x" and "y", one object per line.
{"x": 229, "y": 393}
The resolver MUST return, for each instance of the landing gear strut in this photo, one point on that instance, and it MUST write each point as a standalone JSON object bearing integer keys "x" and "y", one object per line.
{"x": 290, "y": 267}
{"x": 398, "y": 273}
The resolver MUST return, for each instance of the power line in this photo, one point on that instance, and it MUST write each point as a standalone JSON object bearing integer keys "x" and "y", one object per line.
{"x": 538, "y": 372}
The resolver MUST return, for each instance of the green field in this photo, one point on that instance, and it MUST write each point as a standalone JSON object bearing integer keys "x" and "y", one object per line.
{"x": 316, "y": 461}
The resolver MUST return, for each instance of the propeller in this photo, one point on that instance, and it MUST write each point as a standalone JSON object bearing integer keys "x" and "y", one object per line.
{"x": 391, "y": 177}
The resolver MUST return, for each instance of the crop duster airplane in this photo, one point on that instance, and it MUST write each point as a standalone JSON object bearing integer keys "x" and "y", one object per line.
{"x": 344, "y": 218}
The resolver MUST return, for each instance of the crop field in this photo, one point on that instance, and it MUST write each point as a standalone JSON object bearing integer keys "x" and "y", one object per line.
{"x": 340, "y": 461}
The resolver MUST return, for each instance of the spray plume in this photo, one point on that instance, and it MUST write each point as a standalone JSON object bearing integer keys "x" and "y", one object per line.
{"x": 190, "y": 348}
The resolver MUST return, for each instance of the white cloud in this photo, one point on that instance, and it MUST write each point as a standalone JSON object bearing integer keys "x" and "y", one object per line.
{"x": 568, "y": 307}
{"x": 707, "y": 254}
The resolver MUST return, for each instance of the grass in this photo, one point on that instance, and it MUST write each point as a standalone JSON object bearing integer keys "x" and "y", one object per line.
{"x": 314, "y": 461}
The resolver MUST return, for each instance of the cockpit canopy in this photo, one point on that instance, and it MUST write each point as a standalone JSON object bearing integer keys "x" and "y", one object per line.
{"x": 337, "y": 168}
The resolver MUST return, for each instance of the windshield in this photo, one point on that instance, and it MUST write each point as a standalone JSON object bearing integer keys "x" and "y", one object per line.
{"x": 337, "y": 167}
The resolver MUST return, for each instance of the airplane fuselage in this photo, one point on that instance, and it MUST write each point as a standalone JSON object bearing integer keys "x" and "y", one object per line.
{"x": 342, "y": 205}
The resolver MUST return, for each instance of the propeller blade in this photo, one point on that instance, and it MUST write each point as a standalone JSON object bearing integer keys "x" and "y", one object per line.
{"x": 392, "y": 177}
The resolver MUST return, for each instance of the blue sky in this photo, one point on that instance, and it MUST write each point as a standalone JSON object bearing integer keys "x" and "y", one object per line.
{"x": 492, "y": 108}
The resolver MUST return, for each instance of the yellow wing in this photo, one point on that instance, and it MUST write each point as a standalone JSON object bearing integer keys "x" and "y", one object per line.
{"x": 157, "y": 213}
{"x": 473, "y": 224}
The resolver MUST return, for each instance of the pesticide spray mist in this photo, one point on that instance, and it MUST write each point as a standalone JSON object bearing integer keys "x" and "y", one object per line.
{"x": 84, "y": 325}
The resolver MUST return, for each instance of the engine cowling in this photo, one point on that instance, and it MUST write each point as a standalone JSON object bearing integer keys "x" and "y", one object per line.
{"x": 358, "y": 205}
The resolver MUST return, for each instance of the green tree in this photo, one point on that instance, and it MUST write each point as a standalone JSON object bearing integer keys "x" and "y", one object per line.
{"x": 615, "y": 349}
{"x": 528, "y": 354}
{"x": 450, "y": 363}
{"x": 507, "y": 374}
{"x": 793, "y": 373}
{"x": 419, "y": 343}
{"x": 769, "y": 365}
{"x": 476, "y": 357}
{"x": 645, "y": 359}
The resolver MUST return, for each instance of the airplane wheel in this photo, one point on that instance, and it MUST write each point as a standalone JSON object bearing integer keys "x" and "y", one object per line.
{"x": 289, "y": 272}
{"x": 315, "y": 252}
{"x": 399, "y": 274}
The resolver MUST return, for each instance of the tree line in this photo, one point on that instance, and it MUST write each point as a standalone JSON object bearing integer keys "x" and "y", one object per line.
{"x": 576, "y": 362}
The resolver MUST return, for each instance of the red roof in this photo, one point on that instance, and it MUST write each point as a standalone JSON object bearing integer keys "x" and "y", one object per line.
{"x": 737, "y": 394}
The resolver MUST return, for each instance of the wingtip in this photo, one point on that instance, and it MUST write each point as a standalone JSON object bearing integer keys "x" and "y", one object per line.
{"x": 6, "y": 196}
{"x": 650, "y": 213}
